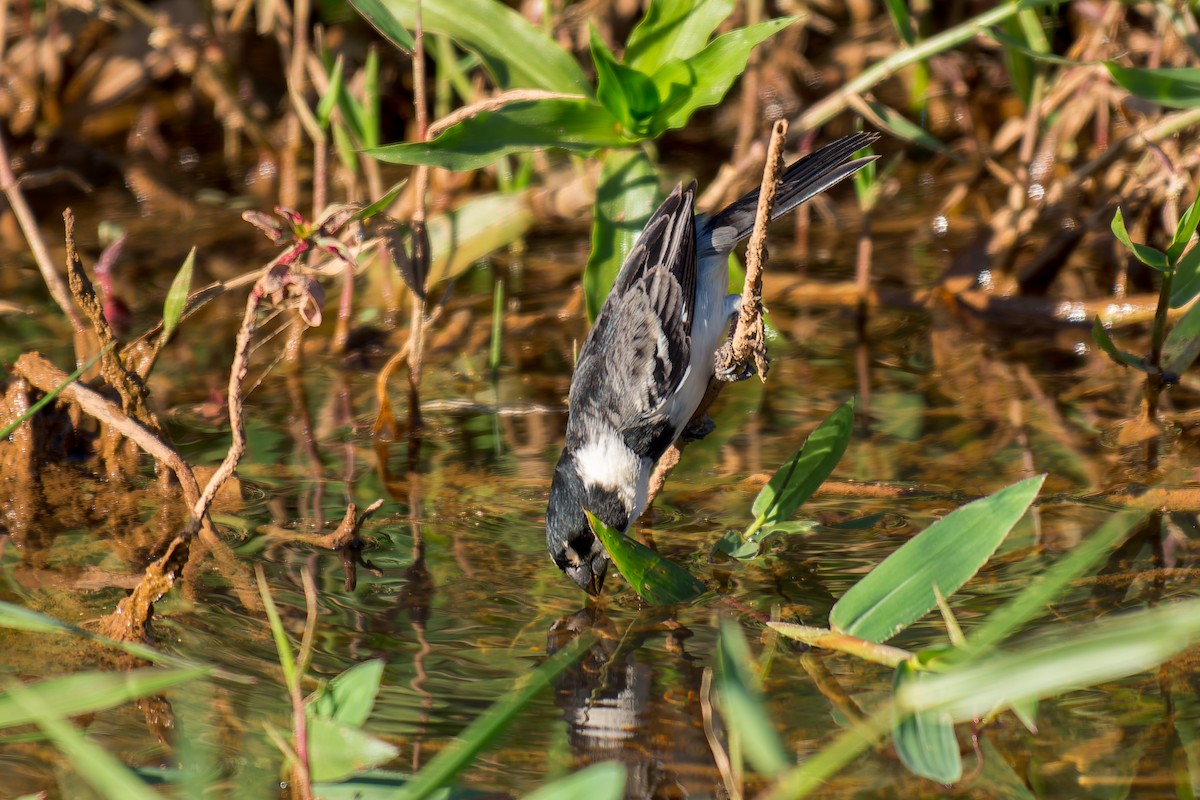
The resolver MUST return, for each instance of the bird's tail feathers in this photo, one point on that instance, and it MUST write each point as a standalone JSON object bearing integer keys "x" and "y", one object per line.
{"x": 801, "y": 182}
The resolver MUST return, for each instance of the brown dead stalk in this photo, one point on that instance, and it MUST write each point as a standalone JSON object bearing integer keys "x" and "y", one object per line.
{"x": 748, "y": 340}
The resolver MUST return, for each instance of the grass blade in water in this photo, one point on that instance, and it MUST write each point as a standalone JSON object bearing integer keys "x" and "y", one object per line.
{"x": 741, "y": 703}
{"x": 87, "y": 692}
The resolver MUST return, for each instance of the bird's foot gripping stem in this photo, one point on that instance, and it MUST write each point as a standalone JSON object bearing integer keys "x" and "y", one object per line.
{"x": 695, "y": 431}
{"x": 729, "y": 369}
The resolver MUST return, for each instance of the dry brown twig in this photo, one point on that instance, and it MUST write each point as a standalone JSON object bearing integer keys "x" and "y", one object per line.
{"x": 748, "y": 339}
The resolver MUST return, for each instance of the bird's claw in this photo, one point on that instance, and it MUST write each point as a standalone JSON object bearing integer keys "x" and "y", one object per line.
{"x": 695, "y": 431}
{"x": 728, "y": 371}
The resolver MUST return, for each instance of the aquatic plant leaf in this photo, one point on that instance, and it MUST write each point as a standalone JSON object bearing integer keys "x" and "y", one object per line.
{"x": 1151, "y": 257}
{"x": 516, "y": 54}
{"x": 673, "y": 30}
{"x": 1082, "y": 656}
{"x": 1033, "y": 599}
{"x": 337, "y": 750}
{"x": 1174, "y": 87}
{"x": 1183, "y": 343}
{"x": 735, "y": 545}
{"x": 804, "y": 472}
{"x": 332, "y": 95}
{"x": 350, "y": 696}
{"x": 659, "y": 582}
{"x": 720, "y": 63}
{"x": 456, "y": 757}
{"x": 105, "y": 773}
{"x": 740, "y": 701}
{"x": 1186, "y": 283}
{"x": 1100, "y": 334}
{"x": 603, "y": 781}
{"x": 575, "y": 124}
{"x": 88, "y": 692}
{"x": 177, "y": 296}
{"x": 925, "y": 740}
{"x": 1184, "y": 231}
{"x": 626, "y": 196}
{"x": 948, "y": 553}
{"x": 628, "y": 95}
{"x": 823, "y": 637}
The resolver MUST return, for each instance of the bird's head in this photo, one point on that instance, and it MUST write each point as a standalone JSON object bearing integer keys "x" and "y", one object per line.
{"x": 569, "y": 538}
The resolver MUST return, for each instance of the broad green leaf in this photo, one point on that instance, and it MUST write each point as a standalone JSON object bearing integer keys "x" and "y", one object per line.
{"x": 737, "y": 545}
{"x": 626, "y": 196}
{"x": 106, "y": 774}
{"x": 462, "y": 751}
{"x": 719, "y": 64}
{"x": 1083, "y": 656}
{"x": 948, "y": 553}
{"x": 577, "y": 125}
{"x": 741, "y": 703}
{"x": 603, "y": 781}
{"x": 674, "y": 29}
{"x": 1149, "y": 256}
{"x": 1183, "y": 343}
{"x": 349, "y": 697}
{"x": 1177, "y": 88}
{"x": 87, "y": 692}
{"x": 1033, "y": 599}
{"x": 177, "y": 295}
{"x": 628, "y": 95}
{"x": 1186, "y": 283}
{"x": 659, "y": 582}
{"x": 1100, "y": 334}
{"x": 515, "y": 53}
{"x": 330, "y": 100}
{"x": 925, "y": 740}
{"x": 675, "y": 81}
{"x": 1184, "y": 230}
{"x": 337, "y": 750}
{"x": 805, "y": 471}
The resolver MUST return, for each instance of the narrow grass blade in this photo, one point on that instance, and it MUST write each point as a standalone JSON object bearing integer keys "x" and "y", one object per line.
{"x": 49, "y": 397}
{"x": 1101, "y": 337}
{"x": 1177, "y": 88}
{"x": 106, "y": 774}
{"x": 87, "y": 692}
{"x": 659, "y": 582}
{"x": 483, "y": 731}
{"x": 15, "y": 617}
{"x": 948, "y": 553}
{"x": 740, "y": 701}
{"x": 177, "y": 296}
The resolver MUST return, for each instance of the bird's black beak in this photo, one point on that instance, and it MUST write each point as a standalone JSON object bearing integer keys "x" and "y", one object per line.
{"x": 595, "y": 584}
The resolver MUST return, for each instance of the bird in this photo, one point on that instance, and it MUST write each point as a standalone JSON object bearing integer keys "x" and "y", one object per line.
{"x": 650, "y": 354}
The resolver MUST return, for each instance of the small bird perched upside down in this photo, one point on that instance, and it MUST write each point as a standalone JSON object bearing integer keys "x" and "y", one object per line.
{"x": 648, "y": 359}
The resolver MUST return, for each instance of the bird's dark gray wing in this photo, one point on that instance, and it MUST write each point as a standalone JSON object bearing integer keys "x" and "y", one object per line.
{"x": 637, "y": 353}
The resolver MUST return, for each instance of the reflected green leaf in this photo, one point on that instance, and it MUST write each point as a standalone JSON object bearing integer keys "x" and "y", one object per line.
{"x": 177, "y": 296}
{"x": 948, "y": 553}
{"x": 1101, "y": 337}
{"x": 925, "y": 741}
{"x": 1177, "y": 88}
{"x": 337, "y": 751}
{"x": 673, "y": 30}
{"x": 740, "y": 701}
{"x": 626, "y": 196}
{"x": 604, "y": 781}
{"x": 659, "y": 582}
{"x": 1149, "y": 256}
{"x": 575, "y": 124}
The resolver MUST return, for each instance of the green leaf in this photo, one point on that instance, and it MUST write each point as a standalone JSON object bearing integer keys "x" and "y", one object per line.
{"x": 901, "y": 127}
{"x": 18, "y": 618}
{"x": 1144, "y": 253}
{"x": 382, "y": 203}
{"x": 1025, "y": 710}
{"x": 381, "y": 18}
{"x": 177, "y": 296}
{"x": 1177, "y": 88}
{"x": 330, "y": 100}
{"x": 1186, "y": 283}
{"x": 349, "y": 697}
{"x": 106, "y": 774}
{"x": 628, "y": 95}
{"x": 577, "y": 125}
{"x": 947, "y": 553}
{"x": 1100, "y": 334}
{"x": 603, "y": 781}
{"x": 902, "y": 20}
{"x": 88, "y": 692}
{"x": 1084, "y": 656}
{"x": 674, "y": 30}
{"x": 805, "y": 471}
{"x": 740, "y": 701}
{"x": 461, "y": 752}
{"x": 49, "y": 396}
{"x": 659, "y": 582}
{"x": 626, "y": 196}
{"x": 925, "y": 741}
{"x": 1033, "y": 599}
{"x": 515, "y": 53}
{"x": 1184, "y": 230}
{"x": 720, "y": 64}
{"x": 337, "y": 750}
{"x": 1183, "y": 343}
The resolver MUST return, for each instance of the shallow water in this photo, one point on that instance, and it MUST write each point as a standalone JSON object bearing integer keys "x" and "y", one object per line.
{"x": 467, "y": 600}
